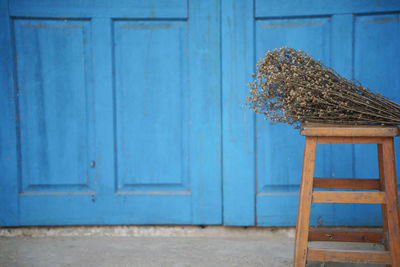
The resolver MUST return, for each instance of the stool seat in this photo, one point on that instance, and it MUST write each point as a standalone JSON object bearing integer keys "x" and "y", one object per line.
{"x": 313, "y": 129}
{"x": 384, "y": 193}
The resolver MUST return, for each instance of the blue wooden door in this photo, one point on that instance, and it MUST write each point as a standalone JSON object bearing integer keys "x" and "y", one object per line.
{"x": 359, "y": 39}
{"x": 110, "y": 112}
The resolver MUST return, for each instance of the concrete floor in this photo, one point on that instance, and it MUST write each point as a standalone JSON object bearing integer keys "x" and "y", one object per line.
{"x": 238, "y": 248}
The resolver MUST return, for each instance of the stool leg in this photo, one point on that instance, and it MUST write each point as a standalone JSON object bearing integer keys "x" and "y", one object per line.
{"x": 382, "y": 188}
{"x": 303, "y": 215}
{"x": 382, "y": 182}
{"x": 392, "y": 202}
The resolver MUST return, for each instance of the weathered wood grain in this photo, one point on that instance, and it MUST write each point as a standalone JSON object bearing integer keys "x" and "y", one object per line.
{"x": 392, "y": 205}
{"x": 345, "y": 130}
{"x": 330, "y": 140}
{"x": 303, "y": 216}
{"x": 375, "y": 236}
{"x": 340, "y": 183}
{"x": 349, "y": 256}
{"x": 348, "y": 197}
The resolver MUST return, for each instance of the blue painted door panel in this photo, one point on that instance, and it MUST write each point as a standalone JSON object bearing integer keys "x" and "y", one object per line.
{"x": 237, "y": 35}
{"x": 360, "y": 40}
{"x": 110, "y": 113}
{"x": 151, "y": 124}
{"x": 55, "y": 118}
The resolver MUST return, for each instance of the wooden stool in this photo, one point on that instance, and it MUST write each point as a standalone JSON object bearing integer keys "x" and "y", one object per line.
{"x": 387, "y": 196}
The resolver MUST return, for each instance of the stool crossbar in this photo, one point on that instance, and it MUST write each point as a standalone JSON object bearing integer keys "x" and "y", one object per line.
{"x": 385, "y": 193}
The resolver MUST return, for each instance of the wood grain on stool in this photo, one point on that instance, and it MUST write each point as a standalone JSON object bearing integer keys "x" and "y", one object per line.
{"x": 303, "y": 215}
{"x": 346, "y": 130}
{"x": 392, "y": 203}
{"x": 387, "y": 196}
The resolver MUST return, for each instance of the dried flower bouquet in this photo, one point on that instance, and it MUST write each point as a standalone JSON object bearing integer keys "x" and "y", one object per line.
{"x": 292, "y": 87}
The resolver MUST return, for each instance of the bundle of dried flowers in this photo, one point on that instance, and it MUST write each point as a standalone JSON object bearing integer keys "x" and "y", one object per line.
{"x": 291, "y": 87}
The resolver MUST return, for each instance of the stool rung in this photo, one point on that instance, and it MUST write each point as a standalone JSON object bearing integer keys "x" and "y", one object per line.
{"x": 355, "y": 256}
{"x": 372, "y": 236}
{"x": 348, "y": 197}
{"x": 341, "y": 183}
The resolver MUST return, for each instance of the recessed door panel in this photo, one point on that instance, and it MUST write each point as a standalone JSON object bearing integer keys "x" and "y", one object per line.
{"x": 54, "y": 95}
{"x": 151, "y": 111}
{"x": 278, "y": 161}
{"x": 377, "y": 66}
